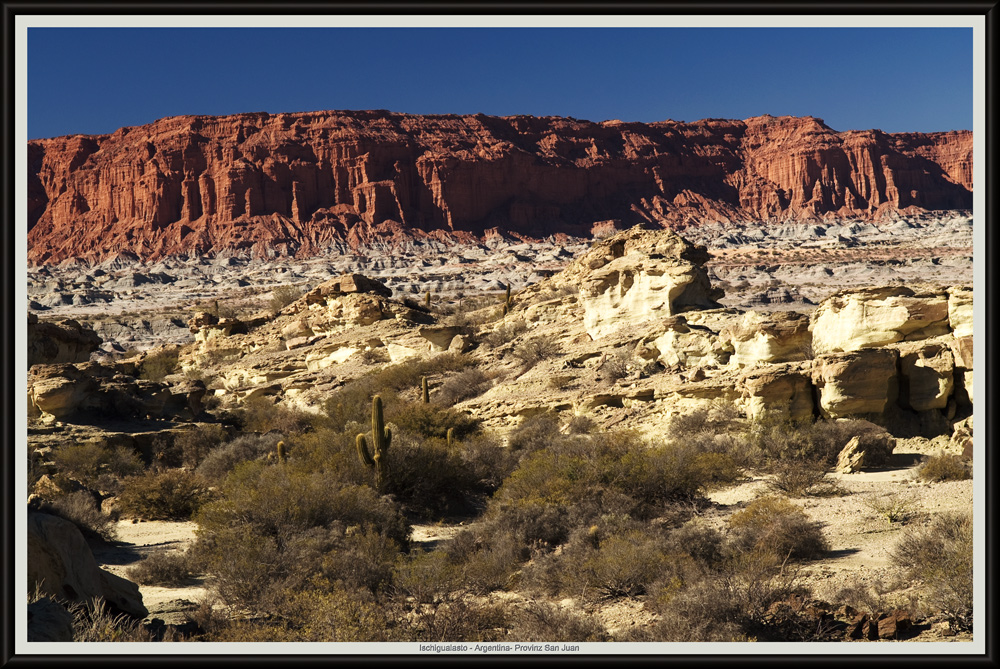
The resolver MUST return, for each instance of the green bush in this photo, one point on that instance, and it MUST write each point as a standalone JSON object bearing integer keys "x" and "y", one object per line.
{"x": 944, "y": 467}
{"x": 167, "y": 495}
{"x": 273, "y": 528}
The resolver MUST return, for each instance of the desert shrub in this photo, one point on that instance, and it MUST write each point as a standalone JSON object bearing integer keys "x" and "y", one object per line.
{"x": 430, "y": 480}
{"x": 896, "y": 507}
{"x": 166, "y": 495}
{"x": 538, "y": 621}
{"x": 580, "y": 425}
{"x": 616, "y": 366}
{"x": 534, "y": 433}
{"x": 463, "y": 386}
{"x": 940, "y": 556}
{"x": 352, "y": 402}
{"x": 705, "y": 611}
{"x": 260, "y": 414}
{"x": 776, "y": 526}
{"x": 194, "y": 445}
{"x": 774, "y": 439}
{"x": 428, "y": 577}
{"x": 323, "y": 612}
{"x": 486, "y": 460}
{"x": 273, "y": 528}
{"x": 223, "y": 458}
{"x": 165, "y": 569}
{"x": 944, "y": 467}
{"x": 282, "y": 296}
{"x": 532, "y": 351}
{"x": 375, "y": 356}
{"x": 458, "y": 620}
{"x": 431, "y": 420}
{"x": 796, "y": 478}
{"x": 82, "y": 510}
{"x": 95, "y": 466}
{"x": 155, "y": 366}
{"x": 506, "y": 332}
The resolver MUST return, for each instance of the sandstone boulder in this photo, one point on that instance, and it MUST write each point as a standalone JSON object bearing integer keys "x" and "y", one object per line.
{"x": 853, "y": 383}
{"x": 346, "y": 283}
{"x": 871, "y": 317}
{"x": 927, "y": 373}
{"x": 441, "y": 336}
{"x": 49, "y": 621}
{"x": 871, "y": 449}
{"x": 675, "y": 342}
{"x": 66, "y": 341}
{"x": 59, "y": 390}
{"x": 778, "y": 390}
{"x": 960, "y": 313}
{"x": 64, "y": 566}
{"x": 782, "y": 336}
{"x": 638, "y": 275}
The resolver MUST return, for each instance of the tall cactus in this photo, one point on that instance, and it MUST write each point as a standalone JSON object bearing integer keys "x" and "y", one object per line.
{"x": 381, "y": 436}
{"x": 448, "y": 435}
{"x": 282, "y": 453}
{"x": 425, "y": 393}
{"x": 507, "y": 299}
{"x": 427, "y": 299}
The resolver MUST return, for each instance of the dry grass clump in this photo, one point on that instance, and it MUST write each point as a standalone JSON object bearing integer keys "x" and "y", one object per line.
{"x": 223, "y": 458}
{"x": 896, "y": 507}
{"x": 282, "y": 296}
{"x": 505, "y": 333}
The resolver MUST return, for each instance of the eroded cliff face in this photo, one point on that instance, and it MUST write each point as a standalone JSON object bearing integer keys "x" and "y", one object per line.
{"x": 290, "y": 184}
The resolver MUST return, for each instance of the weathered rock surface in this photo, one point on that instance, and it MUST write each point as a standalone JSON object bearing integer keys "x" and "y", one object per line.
{"x": 872, "y": 317}
{"x": 49, "y": 621}
{"x": 64, "y": 566}
{"x": 66, "y": 341}
{"x": 860, "y": 382}
{"x": 282, "y": 184}
{"x": 769, "y": 338}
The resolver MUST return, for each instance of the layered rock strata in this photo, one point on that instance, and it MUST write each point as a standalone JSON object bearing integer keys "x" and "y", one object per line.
{"x": 287, "y": 184}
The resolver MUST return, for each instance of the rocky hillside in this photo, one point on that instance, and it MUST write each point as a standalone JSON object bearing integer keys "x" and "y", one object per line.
{"x": 293, "y": 184}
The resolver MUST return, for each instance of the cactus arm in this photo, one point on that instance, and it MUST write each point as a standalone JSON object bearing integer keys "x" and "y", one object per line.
{"x": 363, "y": 453}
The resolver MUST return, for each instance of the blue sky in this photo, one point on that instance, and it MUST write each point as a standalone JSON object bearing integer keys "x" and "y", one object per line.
{"x": 95, "y": 80}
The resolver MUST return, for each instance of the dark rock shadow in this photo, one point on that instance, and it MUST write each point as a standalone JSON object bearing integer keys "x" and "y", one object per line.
{"x": 843, "y": 552}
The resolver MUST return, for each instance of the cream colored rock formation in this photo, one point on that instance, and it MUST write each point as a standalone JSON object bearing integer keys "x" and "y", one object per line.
{"x": 873, "y": 317}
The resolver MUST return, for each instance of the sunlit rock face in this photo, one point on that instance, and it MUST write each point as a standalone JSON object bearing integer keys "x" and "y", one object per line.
{"x": 872, "y": 317}
{"x": 637, "y": 276}
{"x": 857, "y": 382}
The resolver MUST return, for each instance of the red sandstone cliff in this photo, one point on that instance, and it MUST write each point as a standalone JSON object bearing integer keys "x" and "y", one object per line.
{"x": 292, "y": 183}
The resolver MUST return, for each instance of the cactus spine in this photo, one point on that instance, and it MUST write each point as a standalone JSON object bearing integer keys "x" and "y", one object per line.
{"x": 282, "y": 453}
{"x": 381, "y": 436}
{"x": 424, "y": 391}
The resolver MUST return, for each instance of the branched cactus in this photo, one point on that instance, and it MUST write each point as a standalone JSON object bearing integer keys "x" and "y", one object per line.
{"x": 424, "y": 390}
{"x": 381, "y": 436}
{"x": 282, "y": 453}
